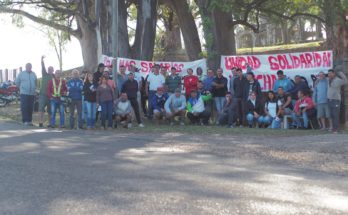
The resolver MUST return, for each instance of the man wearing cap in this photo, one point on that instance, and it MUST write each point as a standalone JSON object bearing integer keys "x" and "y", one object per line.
{"x": 131, "y": 88}
{"x": 154, "y": 81}
{"x": 196, "y": 111}
{"x": 55, "y": 90}
{"x": 175, "y": 106}
{"x": 98, "y": 74}
{"x": 158, "y": 101}
{"x": 173, "y": 81}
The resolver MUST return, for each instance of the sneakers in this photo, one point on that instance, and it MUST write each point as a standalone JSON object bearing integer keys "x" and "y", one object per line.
{"x": 141, "y": 125}
{"x": 41, "y": 125}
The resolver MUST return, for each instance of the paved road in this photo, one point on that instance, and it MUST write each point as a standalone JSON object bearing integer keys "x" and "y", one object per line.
{"x": 80, "y": 172}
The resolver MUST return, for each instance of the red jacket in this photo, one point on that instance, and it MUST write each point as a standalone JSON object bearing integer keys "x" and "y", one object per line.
{"x": 306, "y": 102}
{"x": 190, "y": 83}
{"x": 50, "y": 91}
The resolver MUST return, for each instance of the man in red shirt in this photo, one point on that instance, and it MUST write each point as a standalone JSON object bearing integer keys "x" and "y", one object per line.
{"x": 56, "y": 88}
{"x": 190, "y": 82}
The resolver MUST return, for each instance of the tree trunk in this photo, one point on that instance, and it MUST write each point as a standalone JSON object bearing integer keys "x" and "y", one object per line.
{"x": 209, "y": 32}
{"x": 89, "y": 45}
{"x": 224, "y": 33}
{"x": 123, "y": 38}
{"x": 188, "y": 28}
{"x": 145, "y": 32}
{"x": 105, "y": 27}
{"x": 285, "y": 32}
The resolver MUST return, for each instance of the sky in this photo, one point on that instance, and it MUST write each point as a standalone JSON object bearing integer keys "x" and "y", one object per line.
{"x": 19, "y": 46}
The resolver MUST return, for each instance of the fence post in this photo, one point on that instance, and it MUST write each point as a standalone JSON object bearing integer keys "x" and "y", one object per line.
{"x": 1, "y": 79}
{"x": 6, "y": 74}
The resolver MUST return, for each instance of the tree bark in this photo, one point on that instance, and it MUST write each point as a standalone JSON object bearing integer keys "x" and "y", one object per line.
{"x": 188, "y": 28}
{"x": 89, "y": 45}
{"x": 123, "y": 38}
{"x": 145, "y": 32}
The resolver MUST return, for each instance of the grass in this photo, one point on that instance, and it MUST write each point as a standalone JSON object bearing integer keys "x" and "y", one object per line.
{"x": 260, "y": 50}
{"x": 11, "y": 113}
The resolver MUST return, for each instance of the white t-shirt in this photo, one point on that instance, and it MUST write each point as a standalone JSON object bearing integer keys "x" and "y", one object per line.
{"x": 272, "y": 108}
{"x": 155, "y": 81}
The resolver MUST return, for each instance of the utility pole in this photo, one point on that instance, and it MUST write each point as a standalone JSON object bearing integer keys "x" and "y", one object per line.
{"x": 114, "y": 12}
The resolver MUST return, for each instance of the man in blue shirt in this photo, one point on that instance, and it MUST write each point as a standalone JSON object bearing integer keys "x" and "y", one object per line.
{"x": 75, "y": 87}
{"x": 283, "y": 82}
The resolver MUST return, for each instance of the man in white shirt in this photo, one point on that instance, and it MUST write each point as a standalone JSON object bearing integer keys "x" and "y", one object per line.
{"x": 154, "y": 81}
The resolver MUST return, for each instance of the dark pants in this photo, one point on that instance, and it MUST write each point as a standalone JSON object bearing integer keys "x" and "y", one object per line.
{"x": 241, "y": 113}
{"x": 27, "y": 107}
{"x": 135, "y": 106}
{"x": 228, "y": 117}
{"x": 143, "y": 102}
{"x": 335, "y": 110}
{"x": 194, "y": 119}
{"x": 78, "y": 105}
{"x": 106, "y": 113}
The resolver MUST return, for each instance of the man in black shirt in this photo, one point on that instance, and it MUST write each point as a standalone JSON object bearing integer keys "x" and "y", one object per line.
{"x": 219, "y": 90}
{"x": 130, "y": 87}
{"x": 238, "y": 88}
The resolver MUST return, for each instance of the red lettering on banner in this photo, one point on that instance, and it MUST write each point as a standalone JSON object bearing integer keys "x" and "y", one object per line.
{"x": 327, "y": 59}
{"x": 267, "y": 80}
{"x": 256, "y": 63}
{"x": 318, "y": 60}
{"x": 303, "y": 61}
{"x": 145, "y": 67}
{"x": 288, "y": 65}
{"x": 309, "y": 59}
{"x": 179, "y": 67}
{"x": 239, "y": 61}
{"x": 281, "y": 62}
{"x": 273, "y": 63}
{"x": 296, "y": 62}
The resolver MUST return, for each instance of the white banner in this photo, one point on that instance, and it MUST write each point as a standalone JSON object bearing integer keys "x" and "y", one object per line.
{"x": 145, "y": 66}
{"x": 265, "y": 67}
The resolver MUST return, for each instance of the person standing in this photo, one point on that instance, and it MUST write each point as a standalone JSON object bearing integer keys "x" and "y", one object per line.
{"x": 200, "y": 75}
{"x": 173, "y": 81}
{"x": 131, "y": 88}
{"x": 98, "y": 74}
{"x": 105, "y": 99}
{"x": 26, "y": 82}
{"x": 55, "y": 90}
{"x": 283, "y": 82}
{"x": 238, "y": 88}
{"x": 75, "y": 87}
{"x": 208, "y": 81}
{"x": 336, "y": 81}
{"x": 154, "y": 81}
{"x": 44, "y": 102}
{"x": 89, "y": 91}
{"x": 219, "y": 90}
{"x": 190, "y": 82}
{"x": 321, "y": 101}
{"x": 121, "y": 78}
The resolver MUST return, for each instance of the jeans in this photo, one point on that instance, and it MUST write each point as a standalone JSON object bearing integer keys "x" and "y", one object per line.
{"x": 152, "y": 93}
{"x": 135, "y": 106}
{"x": 84, "y": 110}
{"x": 219, "y": 103}
{"x": 106, "y": 112}
{"x": 78, "y": 105}
{"x": 91, "y": 108}
{"x": 297, "y": 121}
{"x": 251, "y": 119}
{"x": 265, "y": 120}
{"x": 55, "y": 104}
{"x": 27, "y": 107}
{"x": 335, "y": 110}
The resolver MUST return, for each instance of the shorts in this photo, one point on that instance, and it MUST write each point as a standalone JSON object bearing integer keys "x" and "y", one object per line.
{"x": 323, "y": 111}
{"x": 43, "y": 103}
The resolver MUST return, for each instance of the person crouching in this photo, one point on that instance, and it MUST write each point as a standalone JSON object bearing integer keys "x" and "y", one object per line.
{"x": 123, "y": 111}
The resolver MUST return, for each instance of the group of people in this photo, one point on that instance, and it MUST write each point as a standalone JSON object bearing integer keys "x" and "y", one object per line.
{"x": 164, "y": 96}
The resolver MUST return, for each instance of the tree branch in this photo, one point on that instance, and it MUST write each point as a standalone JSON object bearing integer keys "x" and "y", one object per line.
{"x": 42, "y": 21}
